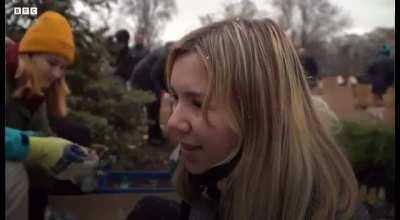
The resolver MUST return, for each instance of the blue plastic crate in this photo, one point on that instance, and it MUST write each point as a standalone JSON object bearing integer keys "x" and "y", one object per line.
{"x": 110, "y": 176}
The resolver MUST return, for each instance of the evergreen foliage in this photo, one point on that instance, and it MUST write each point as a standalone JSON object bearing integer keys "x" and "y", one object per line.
{"x": 114, "y": 115}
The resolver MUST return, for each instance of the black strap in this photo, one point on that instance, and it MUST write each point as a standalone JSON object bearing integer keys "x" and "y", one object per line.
{"x": 209, "y": 179}
{"x": 185, "y": 211}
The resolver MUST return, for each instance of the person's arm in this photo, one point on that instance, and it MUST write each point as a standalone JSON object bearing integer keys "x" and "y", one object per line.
{"x": 371, "y": 69}
{"x": 141, "y": 68}
{"x": 122, "y": 64}
{"x": 17, "y": 145}
{"x": 24, "y": 145}
{"x": 42, "y": 122}
{"x": 157, "y": 74}
{"x": 62, "y": 158}
{"x": 312, "y": 67}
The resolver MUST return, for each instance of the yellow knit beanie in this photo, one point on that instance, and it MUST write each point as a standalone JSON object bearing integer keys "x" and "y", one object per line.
{"x": 50, "y": 33}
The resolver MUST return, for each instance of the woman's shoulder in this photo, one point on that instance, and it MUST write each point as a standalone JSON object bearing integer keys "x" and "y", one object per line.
{"x": 202, "y": 208}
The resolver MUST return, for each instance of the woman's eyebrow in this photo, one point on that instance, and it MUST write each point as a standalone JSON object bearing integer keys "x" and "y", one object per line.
{"x": 191, "y": 94}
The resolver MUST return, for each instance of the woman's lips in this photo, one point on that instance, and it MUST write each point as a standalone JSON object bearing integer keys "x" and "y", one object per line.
{"x": 189, "y": 147}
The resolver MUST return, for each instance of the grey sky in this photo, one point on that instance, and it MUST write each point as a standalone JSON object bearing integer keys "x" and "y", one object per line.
{"x": 365, "y": 14}
{"x": 368, "y": 14}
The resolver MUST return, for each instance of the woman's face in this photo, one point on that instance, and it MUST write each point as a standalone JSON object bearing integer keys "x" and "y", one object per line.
{"x": 50, "y": 68}
{"x": 203, "y": 143}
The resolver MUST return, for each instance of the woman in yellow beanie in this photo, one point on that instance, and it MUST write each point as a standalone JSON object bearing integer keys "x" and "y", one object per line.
{"x": 43, "y": 53}
{"x": 36, "y": 89}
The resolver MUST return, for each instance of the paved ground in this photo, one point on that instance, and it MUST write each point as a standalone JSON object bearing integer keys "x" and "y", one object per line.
{"x": 99, "y": 206}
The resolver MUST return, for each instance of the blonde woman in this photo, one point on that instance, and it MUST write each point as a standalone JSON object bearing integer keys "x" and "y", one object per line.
{"x": 252, "y": 145}
{"x": 35, "y": 79}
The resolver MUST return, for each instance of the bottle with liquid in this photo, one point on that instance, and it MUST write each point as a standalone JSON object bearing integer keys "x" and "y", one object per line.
{"x": 372, "y": 196}
{"x": 380, "y": 207}
{"x": 382, "y": 195}
{"x": 124, "y": 183}
{"x": 88, "y": 183}
{"x": 363, "y": 193}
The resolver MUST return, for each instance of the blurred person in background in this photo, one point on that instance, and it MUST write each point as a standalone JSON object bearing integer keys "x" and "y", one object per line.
{"x": 127, "y": 57}
{"x": 148, "y": 75}
{"x": 381, "y": 72}
{"x": 310, "y": 66}
{"x": 121, "y": 47}
{"x": 138, "y": 51}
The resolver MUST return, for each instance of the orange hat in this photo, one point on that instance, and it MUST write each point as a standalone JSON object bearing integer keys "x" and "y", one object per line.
{"x": 50, "y": 33}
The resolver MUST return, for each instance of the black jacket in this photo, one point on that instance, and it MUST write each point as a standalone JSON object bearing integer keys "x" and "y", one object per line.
{"x": 310, "y": 66}
{"x": 148, "y": 74}
{"x": 381, "y": 74}
{"x": 128, "y": 59}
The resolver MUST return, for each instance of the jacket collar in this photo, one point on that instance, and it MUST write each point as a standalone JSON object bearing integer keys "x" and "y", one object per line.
{"x": 206, "y": 183}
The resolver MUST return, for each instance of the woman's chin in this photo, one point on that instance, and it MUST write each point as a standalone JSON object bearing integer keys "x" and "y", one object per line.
{"x": 45, "y": 86}
{"x": 194, "y": 168}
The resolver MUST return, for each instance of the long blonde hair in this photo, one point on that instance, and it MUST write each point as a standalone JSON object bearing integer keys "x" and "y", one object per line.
{"x": 28, "y": 85}
{"x": 290, "y": 163}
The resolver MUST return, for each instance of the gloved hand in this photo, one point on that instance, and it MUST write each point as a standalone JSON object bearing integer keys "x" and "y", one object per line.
{"x": 62, "y": 158}
{"x": 46, "y": 151}
{"x": 77, "y": 162}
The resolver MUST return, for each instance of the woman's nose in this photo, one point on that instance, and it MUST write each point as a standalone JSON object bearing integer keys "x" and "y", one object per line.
{"x": 178, "y": 122}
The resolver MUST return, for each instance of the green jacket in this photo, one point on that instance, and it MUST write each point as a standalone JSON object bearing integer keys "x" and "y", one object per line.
{"x": 20, "y": 117}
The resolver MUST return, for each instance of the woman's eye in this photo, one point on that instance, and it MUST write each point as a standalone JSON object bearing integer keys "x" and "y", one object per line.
{"x": 51, "y": 63}
{"x": 174, "y": 99}
{"x": 197, "y": 104}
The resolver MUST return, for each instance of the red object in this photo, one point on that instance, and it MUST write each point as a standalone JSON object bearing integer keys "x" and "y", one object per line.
{"x": 163, "y": 92}
{"x": 11, "y": 57}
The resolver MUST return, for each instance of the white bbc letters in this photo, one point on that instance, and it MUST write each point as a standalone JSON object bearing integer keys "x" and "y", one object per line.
{"x": 25, "y": 10}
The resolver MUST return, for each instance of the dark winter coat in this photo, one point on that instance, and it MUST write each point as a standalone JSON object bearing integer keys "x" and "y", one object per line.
{"x": 20, "y": 113}
{"x": 310, "y": 66}
{"x": 381, "y": 74}
{"x": 25, "y": 114}
{"x": 205, "y": 185}
{"x": 206, "y": 209}
{"x": 128, "y": 59}
{"x": 149, "y": 72}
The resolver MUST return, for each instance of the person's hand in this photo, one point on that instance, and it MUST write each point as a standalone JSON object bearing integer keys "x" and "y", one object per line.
{"x": 76, "y": 162}
{"x": 62, "y": 158}
{"x": 376, "y": 112}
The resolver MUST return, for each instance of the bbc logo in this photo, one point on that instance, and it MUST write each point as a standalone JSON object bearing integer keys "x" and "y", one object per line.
{"x": 25, "y": 10}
